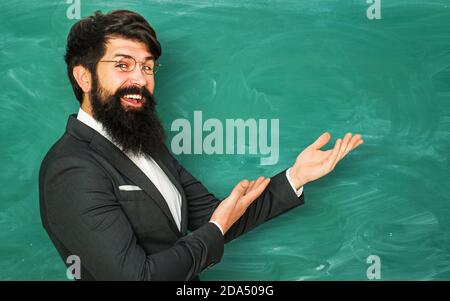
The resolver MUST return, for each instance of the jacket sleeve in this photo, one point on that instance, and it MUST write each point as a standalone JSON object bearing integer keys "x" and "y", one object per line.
{"x": 277, "y": 198}
{"x": 86, "y": 218}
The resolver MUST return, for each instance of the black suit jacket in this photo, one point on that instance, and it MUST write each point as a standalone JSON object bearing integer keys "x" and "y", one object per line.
{"x": 131, "y": 235}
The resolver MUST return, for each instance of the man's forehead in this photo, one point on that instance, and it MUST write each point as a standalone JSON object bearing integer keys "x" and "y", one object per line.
{"x": 120, "y": 46}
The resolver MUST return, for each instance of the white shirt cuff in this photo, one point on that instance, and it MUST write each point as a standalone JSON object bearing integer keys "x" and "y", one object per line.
{"x": 300, "y": 190}
{"x": 215, "y": 223}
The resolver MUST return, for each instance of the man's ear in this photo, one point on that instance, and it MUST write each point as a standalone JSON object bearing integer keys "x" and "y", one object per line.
{"x": 83, "y": 78}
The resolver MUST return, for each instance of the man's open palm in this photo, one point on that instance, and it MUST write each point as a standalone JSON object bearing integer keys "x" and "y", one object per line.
{"x": 235, "y": 205}
{"x": 313, "y": 163}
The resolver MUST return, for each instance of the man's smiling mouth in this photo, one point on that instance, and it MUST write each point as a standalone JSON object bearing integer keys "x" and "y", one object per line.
{"x": 133, "y": 100}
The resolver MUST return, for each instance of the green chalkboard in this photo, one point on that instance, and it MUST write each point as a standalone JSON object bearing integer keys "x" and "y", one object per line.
{"x": 315, "y": 66}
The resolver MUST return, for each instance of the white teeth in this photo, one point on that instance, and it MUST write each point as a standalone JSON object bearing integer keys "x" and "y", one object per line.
{"x": 134, "y": 96}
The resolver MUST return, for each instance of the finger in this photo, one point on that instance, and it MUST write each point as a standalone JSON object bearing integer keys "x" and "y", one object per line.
{"x": 344, "y": 146}
{"x": 258, "y": 182}
{"x": 330, "y": 161}
{"x": 255, "y": 193}
{"x": 255, "y": 183}
{"x": 250, "y": 186}
{"x": 239, "y": 190}
{"x": 321, "y": 141}
{"x": 353, "y": 144}
{"x": 252, "y": 183}
{"x": 359, "y": 143}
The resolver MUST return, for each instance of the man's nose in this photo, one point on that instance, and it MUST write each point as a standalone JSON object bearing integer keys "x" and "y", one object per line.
{"x": 138, "y": 77}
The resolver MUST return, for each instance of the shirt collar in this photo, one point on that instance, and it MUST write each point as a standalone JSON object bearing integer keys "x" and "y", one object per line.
{"x": 92, "y": 123}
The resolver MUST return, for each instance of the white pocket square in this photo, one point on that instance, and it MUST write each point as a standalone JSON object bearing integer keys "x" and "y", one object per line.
{"x": 129, "y": 187}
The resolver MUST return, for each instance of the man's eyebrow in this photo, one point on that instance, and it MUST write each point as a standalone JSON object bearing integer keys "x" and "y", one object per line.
{"x": 150, "y": 57}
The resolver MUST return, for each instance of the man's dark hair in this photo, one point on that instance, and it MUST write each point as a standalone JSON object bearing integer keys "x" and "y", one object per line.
{"x": 86, "y": 42}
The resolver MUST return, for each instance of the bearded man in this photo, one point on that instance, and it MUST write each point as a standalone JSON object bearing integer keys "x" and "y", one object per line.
{"x": 113, "y": 195}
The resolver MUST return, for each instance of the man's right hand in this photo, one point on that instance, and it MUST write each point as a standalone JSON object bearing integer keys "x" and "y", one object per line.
{"x": 235, "y": 205}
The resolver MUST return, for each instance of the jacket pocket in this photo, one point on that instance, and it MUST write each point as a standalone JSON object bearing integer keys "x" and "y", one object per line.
{"x": 142, "y": 212}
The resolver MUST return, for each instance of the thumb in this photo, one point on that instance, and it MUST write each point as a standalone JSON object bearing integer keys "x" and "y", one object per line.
{"x": 239, "y": 190}
{"x": 321, "y": 141}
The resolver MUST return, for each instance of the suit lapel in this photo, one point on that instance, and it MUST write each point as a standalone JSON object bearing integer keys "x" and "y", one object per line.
{"x": 170, "y": 174}
{"x": 119, "y": 160}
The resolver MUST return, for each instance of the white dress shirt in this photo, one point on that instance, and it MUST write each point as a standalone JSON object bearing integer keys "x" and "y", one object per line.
{"x": 154, "y": 173}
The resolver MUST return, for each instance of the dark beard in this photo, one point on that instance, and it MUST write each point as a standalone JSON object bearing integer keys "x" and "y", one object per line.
{"x": 135, "y": 130}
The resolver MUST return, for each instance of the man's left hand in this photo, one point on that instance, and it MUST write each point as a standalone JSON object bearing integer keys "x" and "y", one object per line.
{"x": 313, "y": 163}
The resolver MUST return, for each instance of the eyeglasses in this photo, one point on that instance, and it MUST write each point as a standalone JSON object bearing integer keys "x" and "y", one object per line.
{"x": 128, "y": 64}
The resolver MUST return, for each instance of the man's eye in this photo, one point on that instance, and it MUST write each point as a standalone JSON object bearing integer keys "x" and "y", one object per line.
{"x": 147, "y": 68}
{"x": 122, "y": 66}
